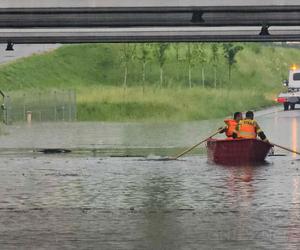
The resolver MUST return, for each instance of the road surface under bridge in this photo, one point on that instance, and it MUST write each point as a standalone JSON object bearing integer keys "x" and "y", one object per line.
{"x": 76, "y": 21}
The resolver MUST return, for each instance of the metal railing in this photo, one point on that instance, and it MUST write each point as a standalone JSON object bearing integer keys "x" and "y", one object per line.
{"x": 39, "y": 106}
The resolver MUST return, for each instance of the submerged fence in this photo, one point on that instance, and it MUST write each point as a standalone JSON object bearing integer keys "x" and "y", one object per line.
{"x": 39, "y": 106}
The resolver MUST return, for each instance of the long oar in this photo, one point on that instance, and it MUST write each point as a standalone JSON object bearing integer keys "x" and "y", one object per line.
{"x": 287, "y": 149}
{"x": 191, "y": 148}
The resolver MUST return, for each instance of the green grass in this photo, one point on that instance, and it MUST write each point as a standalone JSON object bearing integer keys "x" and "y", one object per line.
{"x": 113, "y": 104}
{"x": 96, "y": 72}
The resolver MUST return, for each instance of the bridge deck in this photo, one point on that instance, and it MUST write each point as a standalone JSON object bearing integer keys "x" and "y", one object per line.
{"x": 149, "y": 20}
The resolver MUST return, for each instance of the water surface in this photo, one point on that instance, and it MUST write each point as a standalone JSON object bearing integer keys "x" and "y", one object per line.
{"x": 94, "y": 201}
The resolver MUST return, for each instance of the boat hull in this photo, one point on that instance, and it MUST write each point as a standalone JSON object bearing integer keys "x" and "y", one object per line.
{"x": 237, "y": 152}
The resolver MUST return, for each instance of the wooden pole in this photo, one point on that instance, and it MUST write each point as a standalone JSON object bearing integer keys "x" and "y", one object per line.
{"x": 287, "y": 149}
{"x": 191, "y": 148}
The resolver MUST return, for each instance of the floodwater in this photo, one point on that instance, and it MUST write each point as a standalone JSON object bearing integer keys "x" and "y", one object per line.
{"x": 113, "y": 192}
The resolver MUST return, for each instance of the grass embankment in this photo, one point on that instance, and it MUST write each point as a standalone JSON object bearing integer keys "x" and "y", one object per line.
{"x": 96, "y": 72}
{"x": 164, "y": 104}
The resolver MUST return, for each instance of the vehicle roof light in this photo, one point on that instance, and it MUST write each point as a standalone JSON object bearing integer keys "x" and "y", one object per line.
{"x": 293, "y": 67}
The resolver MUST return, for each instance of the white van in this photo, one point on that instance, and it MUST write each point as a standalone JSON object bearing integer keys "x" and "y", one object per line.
{"x": 292, "y": 97}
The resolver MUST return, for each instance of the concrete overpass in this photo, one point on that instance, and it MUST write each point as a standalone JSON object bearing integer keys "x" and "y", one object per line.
{"x": 75, "y": 21}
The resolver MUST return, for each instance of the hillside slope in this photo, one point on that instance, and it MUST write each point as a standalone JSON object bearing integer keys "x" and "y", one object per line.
{"x": 97, "y": 73}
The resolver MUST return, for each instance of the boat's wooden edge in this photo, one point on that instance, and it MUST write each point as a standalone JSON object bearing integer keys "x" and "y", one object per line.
{"x": 236, "y": 140}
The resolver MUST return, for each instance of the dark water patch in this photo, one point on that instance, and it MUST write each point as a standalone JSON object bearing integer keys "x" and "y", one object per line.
{"x": 157, "y": 158}
{"x": 275, "y": 155}
{"x": 62, "y": 174}
{"x": 54, "y": 151}
{"x": 126, "y": 156}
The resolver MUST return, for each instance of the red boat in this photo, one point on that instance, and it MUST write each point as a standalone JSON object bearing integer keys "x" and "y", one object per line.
{"x": 237, "y": 151}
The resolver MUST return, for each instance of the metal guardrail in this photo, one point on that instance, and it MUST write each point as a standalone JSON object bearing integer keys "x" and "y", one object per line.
{"x": 205, "y": 16}
{"x": 147, "y": 34}
{"x": 242, "y": 22}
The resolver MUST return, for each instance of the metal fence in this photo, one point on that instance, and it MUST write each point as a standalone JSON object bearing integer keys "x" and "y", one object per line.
{"x": 39, "y": 106}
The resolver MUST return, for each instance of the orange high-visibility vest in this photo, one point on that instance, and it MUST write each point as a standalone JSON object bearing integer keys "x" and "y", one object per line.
{"x": 247, "y": 129}
{"x": 231, "y": 127}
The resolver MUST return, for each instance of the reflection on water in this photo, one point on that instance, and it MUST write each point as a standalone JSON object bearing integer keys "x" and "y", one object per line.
{"x": 95, "y": 135}
{"x": 294, "y": 136}
{"x": 160, "y": 191}
{"x": 178, "y": 204}
{"x": 241, "y": 195}
{"x": 90, "y": 201}
{"x": 294, "y": 227}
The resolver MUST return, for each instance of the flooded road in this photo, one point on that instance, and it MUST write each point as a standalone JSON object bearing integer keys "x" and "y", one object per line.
{"x": 94, "y": 198}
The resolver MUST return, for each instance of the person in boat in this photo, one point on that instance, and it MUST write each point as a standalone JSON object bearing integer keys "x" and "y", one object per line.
{"x": 248, "y": 128}
{"x": 231, "y": 125}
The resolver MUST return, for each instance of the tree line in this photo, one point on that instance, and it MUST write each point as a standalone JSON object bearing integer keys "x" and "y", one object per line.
{"x": 194, "y": 55}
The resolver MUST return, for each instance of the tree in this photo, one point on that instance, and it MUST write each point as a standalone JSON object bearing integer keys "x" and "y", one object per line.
{"x": 161, "y": 56}
{"x": 191, "y": 59}
{"x": 127, "y": 54}
{"x": 230, "y": 52}
{"x": 214, "y": 61}
{"x": 144, "y": 56}
{"x": 202, "y": 58}
{"x": 176, "y": 46}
